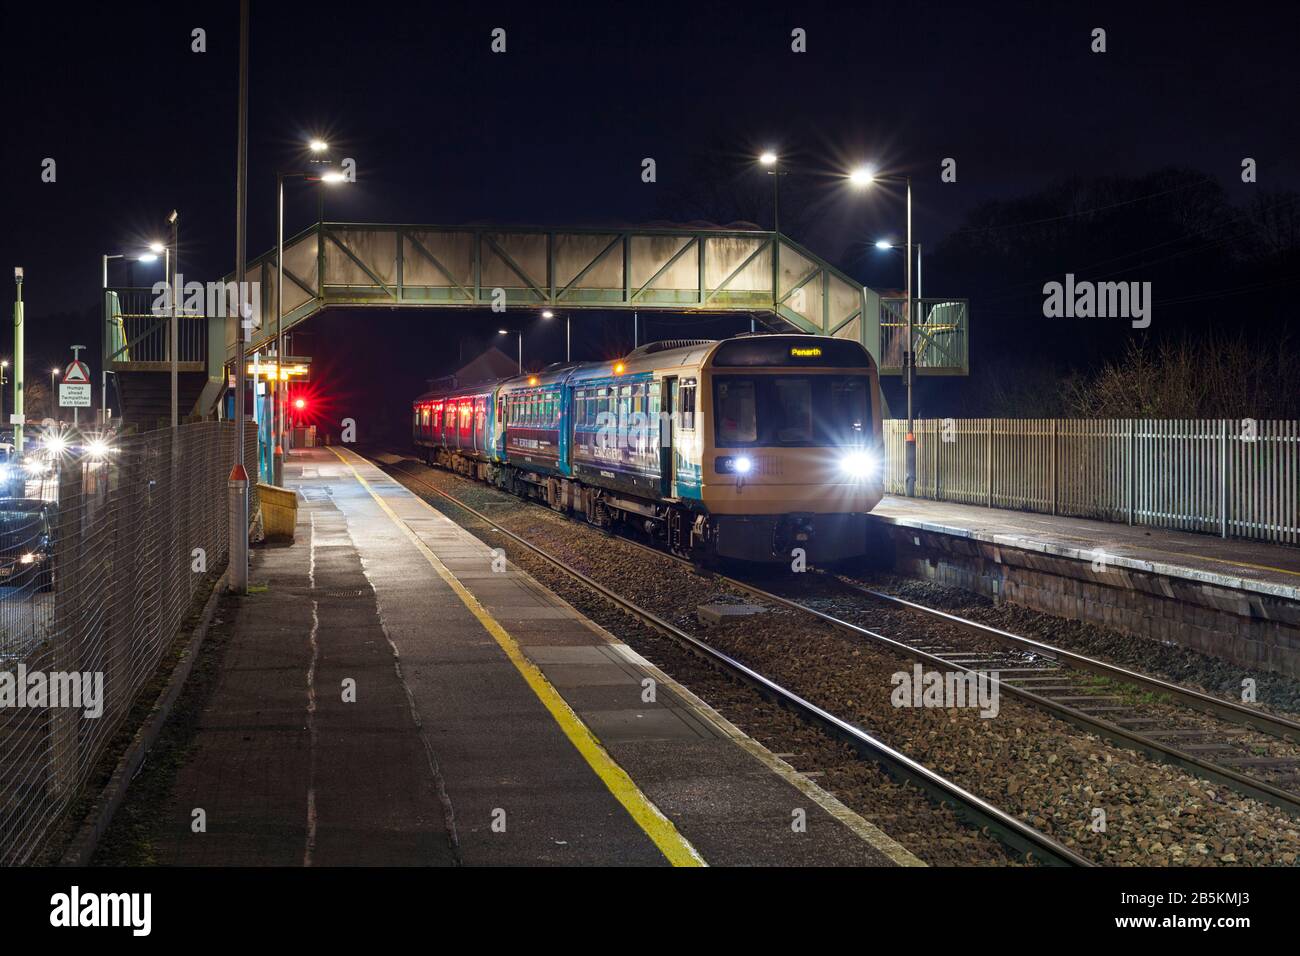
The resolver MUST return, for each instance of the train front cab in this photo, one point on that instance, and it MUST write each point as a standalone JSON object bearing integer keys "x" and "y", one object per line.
{"x": 791, "y": 451}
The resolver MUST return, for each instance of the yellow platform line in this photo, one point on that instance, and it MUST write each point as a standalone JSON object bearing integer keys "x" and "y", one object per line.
{"x": 647, "y": 816}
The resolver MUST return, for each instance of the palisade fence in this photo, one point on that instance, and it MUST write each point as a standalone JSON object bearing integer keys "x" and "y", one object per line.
{"x": 117, "y": 583}
{"x": 1228, "y": 477}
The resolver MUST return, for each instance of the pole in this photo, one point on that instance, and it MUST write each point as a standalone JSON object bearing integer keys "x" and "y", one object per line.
{"x": 521, "y": 352}
{"x": 238, "y": 474}
{"x": 910, "y": 447}
{"x": 174, "y": 272}
{"x": 103, "y": 346}
{"x": 636, "y": 330}
{"x": 776, "y": 199}
{"x": 277, "y": 395}
{"x": 18, "y": 363}
{"x": 568, "y": 357}
{"x": 53, "y": 392}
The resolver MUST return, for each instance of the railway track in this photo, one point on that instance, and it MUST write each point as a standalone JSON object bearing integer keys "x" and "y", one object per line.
{"x": 1008, "y": 829}
{"x": 1091, "y": 694}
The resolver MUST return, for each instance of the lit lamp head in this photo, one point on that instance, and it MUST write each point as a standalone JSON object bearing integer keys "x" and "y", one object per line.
{"x": 768, "y": 158}
{"x": 884, "y": 245}
{"x": 862, "y": 176}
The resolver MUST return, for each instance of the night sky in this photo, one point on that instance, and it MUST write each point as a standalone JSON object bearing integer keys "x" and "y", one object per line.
{"x": 553, "y": 132}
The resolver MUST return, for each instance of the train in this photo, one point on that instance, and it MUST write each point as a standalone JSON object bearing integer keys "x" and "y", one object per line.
{"x": 759, "y": 448}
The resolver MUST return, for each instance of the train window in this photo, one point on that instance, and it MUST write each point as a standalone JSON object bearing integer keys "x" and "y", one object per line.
{"x": 792, "y": 417}
{"x": 737, "y": 411}
{"x": 686, "y": 404}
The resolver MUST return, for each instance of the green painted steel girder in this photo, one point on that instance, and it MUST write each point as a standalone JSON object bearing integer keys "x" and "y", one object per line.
{"x": 679, "y": 270}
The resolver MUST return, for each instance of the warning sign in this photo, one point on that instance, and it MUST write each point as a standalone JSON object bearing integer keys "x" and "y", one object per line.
{"x": 77, "y": 373}
{"x": 74, "y": 395}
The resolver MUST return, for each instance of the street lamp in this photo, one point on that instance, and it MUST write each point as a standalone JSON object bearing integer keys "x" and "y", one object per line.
{"x": 884, "y": 245}
{"x": 548, "y": 314}
{"x": 4, "y": 367}
{"x": 521, "y": 346}
{"x": 54, "y": 372}
{"x": 862, "y": 177}
{"x": 281, "y": 390}
{"x": 770, "y": 158}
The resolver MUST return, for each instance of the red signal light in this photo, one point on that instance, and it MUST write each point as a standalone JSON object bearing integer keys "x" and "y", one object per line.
{"x": 299, "y": 403}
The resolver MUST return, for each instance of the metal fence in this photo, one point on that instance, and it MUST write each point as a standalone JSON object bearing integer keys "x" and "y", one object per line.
{"x": 1233, "y": 478}
{"x": 96, "y": 583}
{"x": 136, "y": 331}
{"x": 941, "y": 334}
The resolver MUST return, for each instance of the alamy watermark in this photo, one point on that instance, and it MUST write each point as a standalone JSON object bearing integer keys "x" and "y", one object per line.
{"x": 946, "y": 690}
{"x": 1098, "y": 300}
{"x": 74, "y": 690}
{"x": 208, "y": 299}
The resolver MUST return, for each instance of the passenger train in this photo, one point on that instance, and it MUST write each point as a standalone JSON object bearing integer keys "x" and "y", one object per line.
{"x": 747, "y": 448}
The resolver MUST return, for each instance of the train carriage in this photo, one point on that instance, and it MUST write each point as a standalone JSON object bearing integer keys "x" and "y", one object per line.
{"x": 751, "y": 448}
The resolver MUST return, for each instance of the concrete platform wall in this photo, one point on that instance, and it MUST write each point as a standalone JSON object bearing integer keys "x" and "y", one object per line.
{"x": 1243, "y": 626}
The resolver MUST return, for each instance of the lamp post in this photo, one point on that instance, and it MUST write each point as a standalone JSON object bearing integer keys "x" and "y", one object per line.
{"x": 521, "y": 346}
{"x": 770, "y": 158}
{"x": 173, "y": 270}
{"x": 54, "y": 404}
{"x": 863, "y": 177}
{"x": 885, "y": 245}
{"x": 548, "y": 314}
{"x": 4, "y": 367}
{"x": 18, "y": 361}
{"x": 279, "y": 397}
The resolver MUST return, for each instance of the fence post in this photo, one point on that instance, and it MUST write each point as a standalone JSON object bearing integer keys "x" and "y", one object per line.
{"x": 1054, "y": 481}
{"x": 1223, "y": 478}
{"x": 1130, "y": 464}
{"x": 65, "y": 637}
{"x": 988, "y": 458}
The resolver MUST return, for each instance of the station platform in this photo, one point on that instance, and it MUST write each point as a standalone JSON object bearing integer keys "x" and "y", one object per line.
{"x": 389, "y": 697}
{"x": 1233, "y": 599}
{"x": 1248, "y": 565}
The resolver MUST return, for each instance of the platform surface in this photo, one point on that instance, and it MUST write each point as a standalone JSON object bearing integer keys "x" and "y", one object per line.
{"x": 390, "y": 697}
{"x": 1248, "y": 565}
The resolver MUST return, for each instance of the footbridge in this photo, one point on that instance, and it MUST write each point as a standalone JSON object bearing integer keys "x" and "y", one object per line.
{"x": 764, "y": 275}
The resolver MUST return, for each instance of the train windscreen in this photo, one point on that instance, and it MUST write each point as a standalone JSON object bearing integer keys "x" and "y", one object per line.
{"x": 791, "y": 410}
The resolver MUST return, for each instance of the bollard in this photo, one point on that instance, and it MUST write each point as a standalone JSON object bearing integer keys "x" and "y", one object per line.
{"x": 238, "y": 529}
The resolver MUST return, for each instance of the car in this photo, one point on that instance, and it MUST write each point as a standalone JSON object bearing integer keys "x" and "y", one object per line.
{"x": 27, "y": 543}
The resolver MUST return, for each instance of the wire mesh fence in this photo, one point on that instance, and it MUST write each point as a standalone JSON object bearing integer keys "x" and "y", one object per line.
{"x": 1234, "y": 478}
{"x": 102, "y": 554}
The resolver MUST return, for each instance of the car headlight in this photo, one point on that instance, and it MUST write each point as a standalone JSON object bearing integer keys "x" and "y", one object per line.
{"x": 858, "y": 464}
{"x": 27, "y": 558}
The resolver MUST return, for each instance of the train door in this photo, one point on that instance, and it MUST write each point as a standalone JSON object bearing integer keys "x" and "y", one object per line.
{"x": 667, "y": 406}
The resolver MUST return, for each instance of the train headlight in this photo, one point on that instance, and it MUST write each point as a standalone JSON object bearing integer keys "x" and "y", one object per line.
{"x": 739, "y": 465}
{"x": 858, "y": 464}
